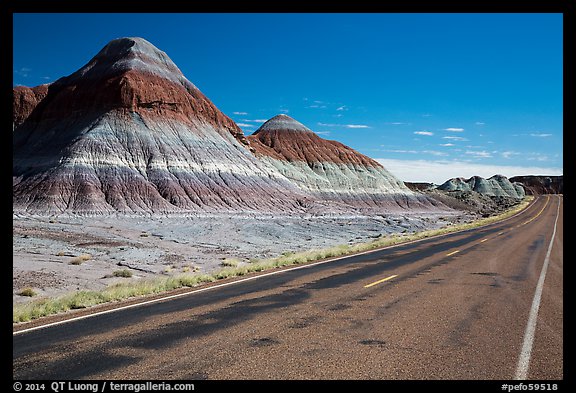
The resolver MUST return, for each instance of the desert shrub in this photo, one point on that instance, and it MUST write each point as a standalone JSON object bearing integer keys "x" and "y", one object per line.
{"x": 27, "y": 292}
{"x": 230, "y": 262}
{"x": 80, "y": 259}
{"x": 122, "y": 273}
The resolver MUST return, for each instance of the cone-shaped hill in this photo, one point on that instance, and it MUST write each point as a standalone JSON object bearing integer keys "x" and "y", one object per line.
{"x": 330, "y": 170}
{"x": 129, "y": 133}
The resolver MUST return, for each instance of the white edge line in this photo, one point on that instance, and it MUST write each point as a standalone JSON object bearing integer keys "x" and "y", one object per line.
{"x": 243, "y": 280}
{"x": 524, "y": 359}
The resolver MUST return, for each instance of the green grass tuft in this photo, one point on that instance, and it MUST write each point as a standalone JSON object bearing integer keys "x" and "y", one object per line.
{"x": 122, "y": 273}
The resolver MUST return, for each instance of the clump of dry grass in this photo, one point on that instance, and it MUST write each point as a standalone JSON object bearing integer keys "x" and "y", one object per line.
{"x": 125, "y": 273}
{"x": 27, "y": 292}
{"x": 230, "y": 262}
{"x": 80, "y": 259}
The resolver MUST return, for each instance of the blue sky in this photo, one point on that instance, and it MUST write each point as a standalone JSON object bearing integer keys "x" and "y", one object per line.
{"x": 431, "y": 96}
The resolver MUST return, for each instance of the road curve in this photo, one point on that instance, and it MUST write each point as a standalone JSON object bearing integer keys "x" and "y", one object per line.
{"x": 457, "y": 306}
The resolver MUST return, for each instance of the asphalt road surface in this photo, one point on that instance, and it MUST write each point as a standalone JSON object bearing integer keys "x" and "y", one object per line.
{"x": 481, "y": 304}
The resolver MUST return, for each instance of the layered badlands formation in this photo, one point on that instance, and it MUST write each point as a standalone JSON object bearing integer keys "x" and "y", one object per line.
{"x": 329, "y": 170}
{"x": 129, "y": 133}
{"x": 496, "y": 185}
{"x": 25, "y": 100}
{"x": 536, "y": 185}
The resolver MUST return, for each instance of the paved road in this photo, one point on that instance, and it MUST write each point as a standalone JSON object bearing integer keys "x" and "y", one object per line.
{"x": 452, "y": 307}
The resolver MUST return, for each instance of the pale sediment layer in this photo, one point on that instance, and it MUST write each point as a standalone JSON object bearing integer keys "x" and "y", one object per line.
{"x": 124, "y": 162}
{"x": 352, "y": 184}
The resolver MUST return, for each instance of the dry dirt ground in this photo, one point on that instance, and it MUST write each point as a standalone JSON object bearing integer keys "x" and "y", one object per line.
{"x": 62, "y": 254}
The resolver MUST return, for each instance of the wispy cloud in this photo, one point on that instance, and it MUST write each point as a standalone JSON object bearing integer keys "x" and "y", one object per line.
{"x": 398, "y": 123}
{"x": 342, "y": 108}
{"x": 23, "y": 72}
{"x": 284, "y": 110}
{"x": 245, "y": 125}
{"x": 255, "y": 120}
{"x": 509, "y": 154}
{"x": 446, "y": 144}
{"x": 454, "y": 138}
{"x": 453, "y": 129}
{"x": 240, "y": 113}
{"x": 427, "y": 133}
{"x": 438, "y": 171}
{"x": 322, "y": 132}
{"x": 401, "y": 151}
{"x": 478, "y": 154}
{"x": 343, "y": 125}
{"x": 540, "y": 135}
{"x": 538, "y": 157}
{"x": 479, "y": 123}
{"x": 435, "y": 153}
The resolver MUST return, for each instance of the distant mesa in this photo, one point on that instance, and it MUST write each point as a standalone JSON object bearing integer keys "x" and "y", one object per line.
{"x": 496, "y": 185}
{"x": 537, "y": 185}
{"x": 330, "y": 170}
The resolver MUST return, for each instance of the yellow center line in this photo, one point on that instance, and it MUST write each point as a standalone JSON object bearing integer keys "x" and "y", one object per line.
{"x": 452, "y": 253}
{"x": 540, "y": 212}
{"x": 380, "y": 281}
{"x": 483, "y": 240}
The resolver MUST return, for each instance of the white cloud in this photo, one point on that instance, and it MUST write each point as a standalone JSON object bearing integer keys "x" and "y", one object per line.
{"x": 245, "y": 125}
{"x": 398, "y": 123}
{"x": 342, "y": 108}
{"x": 540, "y": 135}
{"x": 322, "y": 132}
{"x": 255, "y": 120}
{"x": 284, "y": 110}
{"x": 435, "y": 152}
{"x": 478, "y": 154}
{"x": 479, "y": 123}
{"x": 343, "y": 125}
{"x": 23, "y": 72}
{"x": 454, "y": 138}
{"x": 439, "y": 171}
{"x": 446, "y": 144}
{"x": 509, "y": 154}
{"x": 356, "y": 126}
{"x": 427, "y": 133}
{"x": 452, "y": 129}
{"x": 239, "y": 113}
{"x": 538, "y": 157}
{"x": 402, "y": 151}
